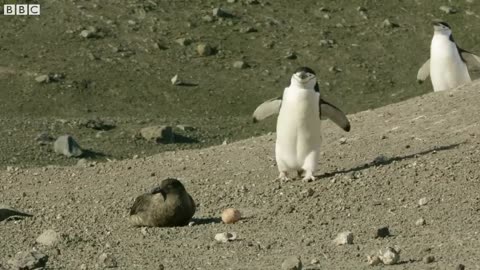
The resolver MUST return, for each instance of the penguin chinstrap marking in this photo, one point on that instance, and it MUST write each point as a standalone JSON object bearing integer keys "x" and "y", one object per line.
{"x": 299, "y": 135}
{"x": 447, "y": 65}
{"x": 167, "y": 205}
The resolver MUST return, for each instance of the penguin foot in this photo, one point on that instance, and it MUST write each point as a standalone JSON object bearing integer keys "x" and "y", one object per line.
{"x": 283, "y": 177}
{"x": 309, "y": 177}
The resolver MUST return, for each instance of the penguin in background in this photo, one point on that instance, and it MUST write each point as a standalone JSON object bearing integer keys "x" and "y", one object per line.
{"x": 447, "y": 66}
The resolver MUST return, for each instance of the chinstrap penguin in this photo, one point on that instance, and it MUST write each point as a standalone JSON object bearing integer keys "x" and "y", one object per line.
{"x": 447, "y": 65}
{"x": 299, "y": 135}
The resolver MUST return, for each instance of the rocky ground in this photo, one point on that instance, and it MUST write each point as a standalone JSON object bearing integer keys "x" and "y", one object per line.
{"x": 101, "y": 71}
{"x": 114, "y": 60}
{"x": 411, "y": 166}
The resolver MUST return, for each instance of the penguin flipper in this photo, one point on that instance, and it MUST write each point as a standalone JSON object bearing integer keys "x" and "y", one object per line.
{"x": 423, "y": 72}
{"x": 267, "y": 108}
{"x": 335, "y": 114}
{"x": 471, "y": 58}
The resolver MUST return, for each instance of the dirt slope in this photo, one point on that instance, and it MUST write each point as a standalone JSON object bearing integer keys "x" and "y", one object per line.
{"x": 424, "y": 147}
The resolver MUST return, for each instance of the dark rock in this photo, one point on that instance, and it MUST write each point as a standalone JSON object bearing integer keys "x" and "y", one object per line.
{"x": 382, "y": 232}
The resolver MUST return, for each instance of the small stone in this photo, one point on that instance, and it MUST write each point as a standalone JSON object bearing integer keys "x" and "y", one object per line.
{"x": 373, "y": 260}
{"x": 184, "y": 41}
{"x": 382, "y": 232}
{"x": 388, "y": 24}
{"x": 158, "y": 134}
{"x": 42, "y": 79}
{"x": 460, "y": 267}
{"x": 44, "y": 138}
{"x": 207, "y": 18}
{"x": 107, "y": 260}
{"x": 291, "y": 55}
{"x": 420, "y": 222}
{"x": 175, "y": 80}
{"x": 344, "y": 238}
{"x": 204, "y": 49}
{"x": 389, "y": 256}
{"x": 219, "y": 12}
{"x": 448, "y": 9}
{"x": 144, "y": 231}
{"x": 292, "y": 263}
{"x": 343, "y": 140}
{"x": 49, "y": 238}
{"x": 248, "y": 29}
{"x": 423, "y": 201}
{"x": 90, "y": 32}
{"x": 97, "y": 124}
{"x": 225, "y": 237}
{"x": 252, "y": 2}
{"x": 67, "y": 146}
{"x": 314, "y": 261}
{"x": 335, "y": 69}
{"x": 231, "y": 1}
{"x": 28, "y": 260}
{"x": 240, "y": 64}
{"x": 83, "y": 162}
{"x": 185, "y": 128}
{"x": 308, "y": 192}
{"x": 83, "y": 266}
{"x": 428, "y": 259}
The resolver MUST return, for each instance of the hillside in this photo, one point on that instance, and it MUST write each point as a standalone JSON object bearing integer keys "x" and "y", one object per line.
{"x": 425, "y": 147}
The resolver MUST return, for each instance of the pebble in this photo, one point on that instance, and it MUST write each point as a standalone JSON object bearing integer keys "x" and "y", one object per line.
{"x": 175, "y": 80}
{"x": 292, "y": 263}
{"x": 204, "y": 49}
{"x": 343, "y": 140}
{"x": 42, "y": 79}
{"x": 90, "y": 32}
{"x": 382, "y": 232}
{"x": 240, "y": 64}
{"x": 225, "y": 237}
{"x": 344, "y": 238}
{"x": 44, "y": 138}
{"x": 428, "y": 259}
{"x": 373, "y": 260}
{"x": 67, "y": 146}
{"x": 460, "y": 267}
{"x": 231, "y": 1}
{"x": 388, "y": 24}
{"x": 423, "y": 201}
{"x": 184, "y": 41}
{"x": 448, "y": 9}
{"x": 28, "y": 260}
{"x": 420, "y": 222}
{"x": 158, "y": 134}
{"x": 185, "y": 127}
{"x": 207, "y": 18}
{"x": 49, "y": 238}
{"x": 248, "y": 29}
{"x": 291, "y": 55}
{"x": 220, "y": 12}
{"x": 107, "y": 260}
{"x": 389, "y": 256}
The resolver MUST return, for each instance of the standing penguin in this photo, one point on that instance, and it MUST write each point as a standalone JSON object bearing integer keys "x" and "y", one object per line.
{"x": 298, "y": 125}
{"x": 168, "y": 205}
{"x": 447, "y": 64}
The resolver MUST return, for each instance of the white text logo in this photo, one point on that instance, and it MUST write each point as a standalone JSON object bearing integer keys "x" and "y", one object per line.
{"x": 21, "y": 9}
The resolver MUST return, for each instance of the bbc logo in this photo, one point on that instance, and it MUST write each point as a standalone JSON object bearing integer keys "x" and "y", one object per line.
{"x": 21, "y": 9}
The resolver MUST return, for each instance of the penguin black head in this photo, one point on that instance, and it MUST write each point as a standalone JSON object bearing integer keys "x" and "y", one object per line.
{"x": 305, "y": 77}
{"x": 442, "y": 27}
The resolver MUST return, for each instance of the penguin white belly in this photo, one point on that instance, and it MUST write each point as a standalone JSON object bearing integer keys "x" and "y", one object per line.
{"x": 298, "y": 131}
{"x": 447, "y": 70}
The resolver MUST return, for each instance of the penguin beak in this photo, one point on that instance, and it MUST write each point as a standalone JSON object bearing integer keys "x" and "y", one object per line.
{"x": 302, "y": 75}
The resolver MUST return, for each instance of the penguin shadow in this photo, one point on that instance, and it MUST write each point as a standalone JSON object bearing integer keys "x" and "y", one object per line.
{"x": 383, "y": 161}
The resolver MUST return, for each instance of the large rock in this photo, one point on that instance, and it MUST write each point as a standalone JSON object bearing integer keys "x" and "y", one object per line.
{"x": 158, "y": 134}
{"x": 67, "y": 146}
{"x": 28, "y": 260}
